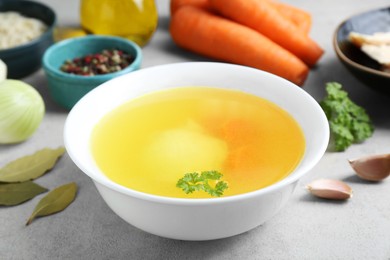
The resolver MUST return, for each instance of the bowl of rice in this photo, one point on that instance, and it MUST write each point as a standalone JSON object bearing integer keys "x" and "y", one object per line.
{"x": 26, "y": 31}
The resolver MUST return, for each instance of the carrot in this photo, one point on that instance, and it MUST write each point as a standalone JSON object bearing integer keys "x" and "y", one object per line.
{"x": 202, "y": 32}
{"x": 297, "y": 16}
{"x": 263, "y": 17}
{"x": 176, "y": 4}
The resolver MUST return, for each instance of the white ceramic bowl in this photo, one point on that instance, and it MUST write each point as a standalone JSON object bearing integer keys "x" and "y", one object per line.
{"x": 195, "y": 219}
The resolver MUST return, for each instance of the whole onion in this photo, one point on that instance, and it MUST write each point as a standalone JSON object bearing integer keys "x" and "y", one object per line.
{"x": 21, "y": 111}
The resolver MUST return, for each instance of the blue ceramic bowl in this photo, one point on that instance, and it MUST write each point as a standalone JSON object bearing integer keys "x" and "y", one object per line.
{"x": 358, "y": 63}
{"x": 25, "y": 59}
{"x": 65, "y": 88}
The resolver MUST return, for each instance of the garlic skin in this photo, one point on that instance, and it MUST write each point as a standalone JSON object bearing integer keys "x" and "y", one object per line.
{"x": 330, "y": 189}
{"x": 372, "y": 168}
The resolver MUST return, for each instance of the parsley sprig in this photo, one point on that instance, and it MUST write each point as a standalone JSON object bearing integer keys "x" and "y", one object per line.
{"x": 348, "y": 122}
{"x": 194, "y": 181}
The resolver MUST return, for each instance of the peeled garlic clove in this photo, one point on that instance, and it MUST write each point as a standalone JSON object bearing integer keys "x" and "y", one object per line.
{"x": 330, "y": 189}
{"x": 372, "y": 168}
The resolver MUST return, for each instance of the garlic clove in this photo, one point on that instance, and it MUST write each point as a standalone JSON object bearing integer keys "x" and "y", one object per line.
{"x": 330, "y": 189}
{"x": 372, "y": 168}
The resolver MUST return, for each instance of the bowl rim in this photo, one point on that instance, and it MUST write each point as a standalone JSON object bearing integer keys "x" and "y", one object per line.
{"x": 288, "y": 180}
{"x": 48, "y": 32}
{"x": 57, "y": 72}
{"x": 344, "y": 58}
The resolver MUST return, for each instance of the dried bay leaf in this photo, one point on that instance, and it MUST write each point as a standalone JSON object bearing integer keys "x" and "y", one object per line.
{"x": 16, "y": 193}
{"x": 55, "y": 201}
{"x": 32, "y": 166}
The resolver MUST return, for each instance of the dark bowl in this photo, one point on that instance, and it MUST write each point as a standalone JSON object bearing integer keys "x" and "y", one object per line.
{"x": 358, "y": 63}
{"x": 25, "y": 59}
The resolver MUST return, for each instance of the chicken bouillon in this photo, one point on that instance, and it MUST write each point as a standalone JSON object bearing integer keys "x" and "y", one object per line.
{"x": 150, "y": 142}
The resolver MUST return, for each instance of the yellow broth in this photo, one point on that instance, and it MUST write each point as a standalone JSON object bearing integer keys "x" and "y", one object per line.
{"x": 149, "y": 143}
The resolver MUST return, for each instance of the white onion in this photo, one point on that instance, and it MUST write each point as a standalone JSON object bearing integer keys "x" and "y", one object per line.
{"x": 21, "y": 111}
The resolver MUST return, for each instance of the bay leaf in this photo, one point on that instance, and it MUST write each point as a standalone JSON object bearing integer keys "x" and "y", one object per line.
{"x": 16, "y": 193}
{"x": 55, "y": 201}
{"x": 32, "y": 166}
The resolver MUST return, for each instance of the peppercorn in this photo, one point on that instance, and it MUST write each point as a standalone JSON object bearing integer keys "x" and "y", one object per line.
{"x": 107, "y": 61}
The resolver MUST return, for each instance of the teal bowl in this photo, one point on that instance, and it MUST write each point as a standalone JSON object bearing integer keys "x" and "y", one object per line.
{"x": 25, "y": 59}
{"x": 67, "y": 89}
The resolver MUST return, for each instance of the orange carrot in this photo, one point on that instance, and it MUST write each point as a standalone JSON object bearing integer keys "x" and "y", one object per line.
{"x": 202, "y": 32}
{"x": 176, "y": 4}
{"x": 297, "y": 16}
{"x": 263, "y": 17}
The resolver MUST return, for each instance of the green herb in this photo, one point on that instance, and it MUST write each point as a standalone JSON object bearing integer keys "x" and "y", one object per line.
{"x": 16, "y": 193}
{"x": 32, "y": 166}
{"x": 349, "y": 123}
{"x": 194, "y": 182}
{"x": 55, "y": 201}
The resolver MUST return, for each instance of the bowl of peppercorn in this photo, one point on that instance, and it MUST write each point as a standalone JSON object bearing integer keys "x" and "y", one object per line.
{"x": 75, "y": 66}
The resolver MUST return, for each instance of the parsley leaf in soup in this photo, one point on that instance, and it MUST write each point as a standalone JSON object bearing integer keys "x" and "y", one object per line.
{"x": 194, "y": 181}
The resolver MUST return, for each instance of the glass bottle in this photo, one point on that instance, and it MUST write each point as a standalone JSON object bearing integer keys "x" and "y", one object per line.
{"x": 132, "y": 19}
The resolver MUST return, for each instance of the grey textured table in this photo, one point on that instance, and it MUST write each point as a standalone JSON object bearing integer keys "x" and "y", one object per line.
{"x": 307, "y": 228}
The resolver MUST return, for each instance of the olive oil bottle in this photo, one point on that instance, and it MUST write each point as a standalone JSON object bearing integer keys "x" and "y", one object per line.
{"x": 132, "y": 19}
